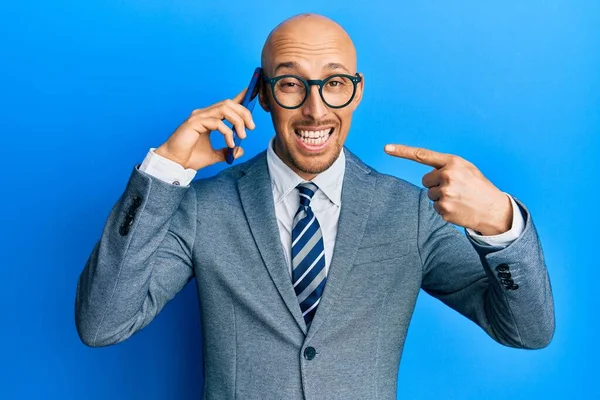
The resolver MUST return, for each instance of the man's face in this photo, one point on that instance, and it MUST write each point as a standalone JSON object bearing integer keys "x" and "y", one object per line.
{"x": 309, "y": 138}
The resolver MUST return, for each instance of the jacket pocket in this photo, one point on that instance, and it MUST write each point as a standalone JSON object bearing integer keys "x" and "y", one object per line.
{"x": 381, "y": 252}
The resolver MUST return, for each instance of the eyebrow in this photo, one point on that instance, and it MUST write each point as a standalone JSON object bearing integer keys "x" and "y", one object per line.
{"x": 292, "y": 65}
{"x": 287, "y": 64}
{"x": 336, "y": 66}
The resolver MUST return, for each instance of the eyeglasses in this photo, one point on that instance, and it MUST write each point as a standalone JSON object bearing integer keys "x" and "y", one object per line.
{"x": 291, "y": 91}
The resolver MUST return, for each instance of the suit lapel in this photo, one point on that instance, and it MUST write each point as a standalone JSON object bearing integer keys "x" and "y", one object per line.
{"x": 357, "y": 194}
{"x": 256, "y": 195}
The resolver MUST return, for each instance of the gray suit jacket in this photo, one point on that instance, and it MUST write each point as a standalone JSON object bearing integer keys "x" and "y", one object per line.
{"x": 223, "y": 230}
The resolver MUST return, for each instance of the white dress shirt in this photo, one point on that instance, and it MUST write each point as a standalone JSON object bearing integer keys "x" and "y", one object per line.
{"x": 326, "y": 203}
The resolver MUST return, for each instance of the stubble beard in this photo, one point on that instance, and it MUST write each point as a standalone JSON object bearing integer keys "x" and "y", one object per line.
{"x": 309, "y": 165}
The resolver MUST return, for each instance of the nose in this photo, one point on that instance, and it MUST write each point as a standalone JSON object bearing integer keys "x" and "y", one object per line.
{"x": 313, "y": 107}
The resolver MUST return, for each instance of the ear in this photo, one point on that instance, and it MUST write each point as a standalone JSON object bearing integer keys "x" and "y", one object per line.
{"x": 263, "y": 97}
{"x": 359, "y": 91}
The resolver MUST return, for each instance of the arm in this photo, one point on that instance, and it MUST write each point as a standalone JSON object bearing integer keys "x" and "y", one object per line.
{"x": 136, "y": 268}
{"x": 144, "y": 257}
{"x": 467, "y": 276}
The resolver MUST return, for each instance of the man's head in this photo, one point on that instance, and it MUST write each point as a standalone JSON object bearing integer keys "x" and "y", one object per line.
{"x": 311, "y": 47}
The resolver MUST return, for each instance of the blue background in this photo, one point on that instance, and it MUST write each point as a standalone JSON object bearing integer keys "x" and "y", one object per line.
{"x": 87, "y": 87}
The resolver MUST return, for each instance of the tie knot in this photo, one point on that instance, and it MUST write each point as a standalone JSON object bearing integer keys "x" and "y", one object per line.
{"x": 307, "y": 191}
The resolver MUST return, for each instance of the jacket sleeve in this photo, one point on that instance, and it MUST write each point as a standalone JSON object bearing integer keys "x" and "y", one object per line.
{"x": 505, "y": 290}
{"x": 142, "y": 260}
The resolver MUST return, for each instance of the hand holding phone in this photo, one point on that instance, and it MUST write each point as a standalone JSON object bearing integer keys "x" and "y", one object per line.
{"x": 190, "y": 145}
{"x": 249, "y": 101}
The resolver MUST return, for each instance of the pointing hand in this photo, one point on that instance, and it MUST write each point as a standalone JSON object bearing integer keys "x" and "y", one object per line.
{"x": 460, "y": 192}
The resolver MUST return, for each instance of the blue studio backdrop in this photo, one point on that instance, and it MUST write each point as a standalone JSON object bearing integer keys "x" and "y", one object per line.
{"x": 86, "y": 88}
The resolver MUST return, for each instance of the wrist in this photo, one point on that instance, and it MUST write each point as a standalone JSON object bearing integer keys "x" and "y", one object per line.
{"x": 163, "y": 152}
{"x": 166, "y": 170}
{"x": 500, "y": 221}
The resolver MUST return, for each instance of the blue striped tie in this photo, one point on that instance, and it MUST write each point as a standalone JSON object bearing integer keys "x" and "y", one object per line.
{"x": 308, "y": 254}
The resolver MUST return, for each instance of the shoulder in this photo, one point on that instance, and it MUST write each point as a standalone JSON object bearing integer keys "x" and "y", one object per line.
{"x": 386, "y": 184}
{"x": 395, "y": 202}
{"x": 226, "y": 180}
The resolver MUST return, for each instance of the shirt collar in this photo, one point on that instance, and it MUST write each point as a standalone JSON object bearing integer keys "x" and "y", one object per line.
{"x": 284, "y": 180}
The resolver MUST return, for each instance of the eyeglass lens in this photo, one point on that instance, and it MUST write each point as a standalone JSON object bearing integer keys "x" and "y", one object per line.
{"x": 336, "y": 92}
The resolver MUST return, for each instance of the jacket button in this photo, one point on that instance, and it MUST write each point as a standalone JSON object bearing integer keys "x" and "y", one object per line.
{"x": 504, "y": 275}
{"x": 502, "y": 268}
{"x": 514, "y": 287}
{"x": 137, "y": 201}
{"x": 310, "y": 353}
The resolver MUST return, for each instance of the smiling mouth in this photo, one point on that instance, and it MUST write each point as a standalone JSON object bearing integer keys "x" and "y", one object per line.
{"x": 314, "y": 137}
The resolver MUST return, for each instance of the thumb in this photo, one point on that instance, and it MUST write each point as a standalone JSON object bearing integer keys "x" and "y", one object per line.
{"x": 240, "y": 96}
{"x": 221, "y": 154}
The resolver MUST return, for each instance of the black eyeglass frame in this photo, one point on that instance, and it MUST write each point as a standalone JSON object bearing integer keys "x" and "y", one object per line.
{"x": 355, "y": 79}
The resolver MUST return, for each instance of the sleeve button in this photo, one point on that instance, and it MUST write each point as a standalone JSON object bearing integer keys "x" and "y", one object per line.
{"x": 502, "y": 268}
{"x": 507, "y": 282}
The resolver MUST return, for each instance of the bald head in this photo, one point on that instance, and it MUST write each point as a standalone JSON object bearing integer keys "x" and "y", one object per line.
{"x": 310, "y": 137}
{"x": 308, "y": 39}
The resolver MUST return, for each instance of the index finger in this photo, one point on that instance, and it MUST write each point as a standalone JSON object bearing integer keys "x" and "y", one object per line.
{"x": 240, "y": 96}
{"x": 418, "y": 154}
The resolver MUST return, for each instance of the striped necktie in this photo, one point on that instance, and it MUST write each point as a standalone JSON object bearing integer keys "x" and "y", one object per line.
{"x": 308, "y": 254}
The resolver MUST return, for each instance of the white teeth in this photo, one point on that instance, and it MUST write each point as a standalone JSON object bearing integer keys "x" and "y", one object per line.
{"x": 314, "y": 141}
{"x": 314, "y": 138}
{"x": 314, "y": 134}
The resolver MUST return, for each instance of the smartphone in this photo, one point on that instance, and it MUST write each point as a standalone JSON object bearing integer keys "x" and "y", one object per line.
{"x": 248, "y": 102}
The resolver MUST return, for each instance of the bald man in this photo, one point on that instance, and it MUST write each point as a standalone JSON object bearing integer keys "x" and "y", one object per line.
{"x": 308, "y": 262}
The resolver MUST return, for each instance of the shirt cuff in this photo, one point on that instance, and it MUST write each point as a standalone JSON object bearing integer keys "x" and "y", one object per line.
{"x": 166, "y": 170}
{"x": 506, "y": 238}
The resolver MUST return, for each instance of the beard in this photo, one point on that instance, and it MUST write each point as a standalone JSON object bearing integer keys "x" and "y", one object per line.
{"x": 308, "y": 165}
{"x": 314, "y": 164}
{"x": 318, "y": 164}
